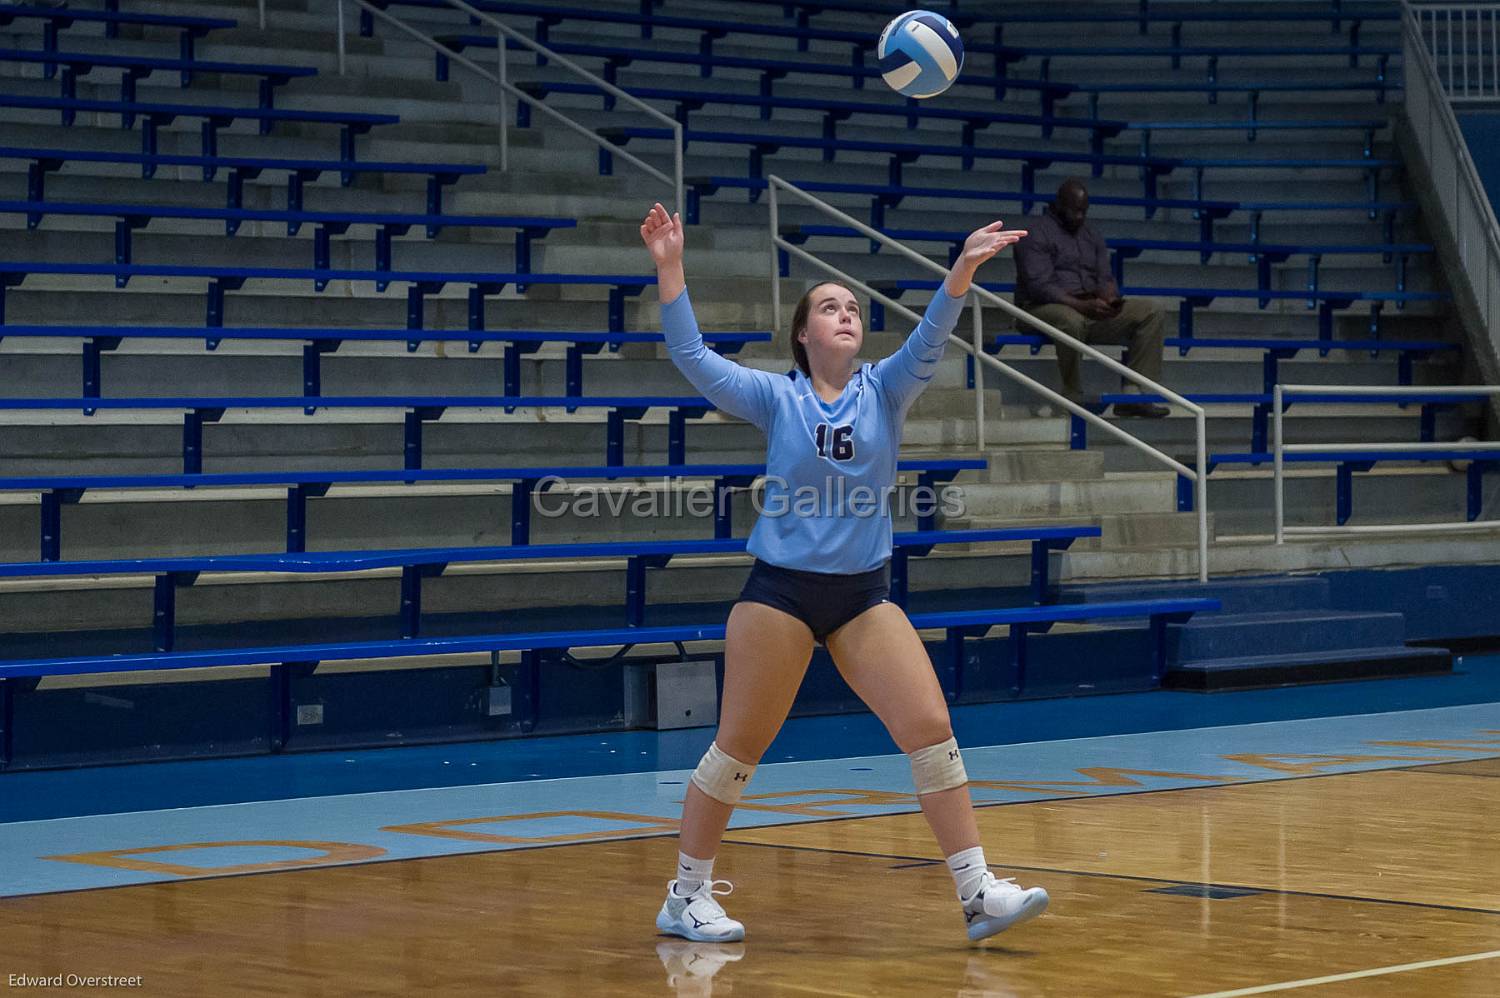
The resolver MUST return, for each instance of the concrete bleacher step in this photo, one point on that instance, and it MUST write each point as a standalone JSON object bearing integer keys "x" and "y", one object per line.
{"x": 1136, "y": 530}
{"x": 1260, "y": 556}
{"x": 1211, "y": 637}
{"x": 1286, "y": 620}
{"x": 1114, "y": 494}
{"x": 1261, "y": 671}
{"x": 1039, "y": 466}
{"x": 1125, "y": 221}
{"x": 64, "y": 605}
{"x": 1229, "y": 427}
{"x": 1238, "y": 596}
{"x": 1391, "y": 493}
{"x": 151, "y": 443}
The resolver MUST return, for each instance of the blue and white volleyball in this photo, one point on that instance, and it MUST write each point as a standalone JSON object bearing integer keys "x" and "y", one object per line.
{"x": 920, "y": 54}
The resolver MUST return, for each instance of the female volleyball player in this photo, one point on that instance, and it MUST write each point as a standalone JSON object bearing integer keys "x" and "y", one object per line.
{"x": 823, "y": 574}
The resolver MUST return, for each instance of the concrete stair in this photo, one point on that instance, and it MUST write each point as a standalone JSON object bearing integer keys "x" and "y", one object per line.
{"x": 1261, "y": 671}
{"x": 1297, "y": 637}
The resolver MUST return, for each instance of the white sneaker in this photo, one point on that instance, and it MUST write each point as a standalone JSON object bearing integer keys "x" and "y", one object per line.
{"x": 698, "y": 916}
{"x": 999, "y": 904}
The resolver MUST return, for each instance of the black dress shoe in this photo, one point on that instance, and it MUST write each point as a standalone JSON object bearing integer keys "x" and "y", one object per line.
{"x": 1141, "y": 410}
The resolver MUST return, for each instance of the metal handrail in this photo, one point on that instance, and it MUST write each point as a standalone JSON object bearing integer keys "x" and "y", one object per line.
{"x": 1388, "y": 390}
{"x": 1280, "y": 448}
{"x": 1366, "y": 447}
{"x": 1439, "y": 20}
{"x": 1198, "y": 476}
{"x": 502, "y": 80}
{"x": 1455, "y": 184}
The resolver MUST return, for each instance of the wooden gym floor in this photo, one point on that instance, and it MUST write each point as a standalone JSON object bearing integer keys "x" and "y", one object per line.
{"x": 1184, "y": 892}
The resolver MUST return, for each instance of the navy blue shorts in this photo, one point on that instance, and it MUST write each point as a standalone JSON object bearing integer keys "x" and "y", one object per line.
{"x": 824, "y": 602}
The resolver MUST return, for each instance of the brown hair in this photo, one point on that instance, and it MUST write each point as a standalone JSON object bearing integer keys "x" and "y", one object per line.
{"x": 799, "y": 323}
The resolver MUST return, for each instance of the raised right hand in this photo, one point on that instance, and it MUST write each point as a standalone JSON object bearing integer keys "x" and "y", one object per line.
{"x": 662, "y": 234}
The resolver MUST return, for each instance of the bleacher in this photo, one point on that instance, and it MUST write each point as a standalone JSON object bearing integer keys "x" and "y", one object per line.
{"x": 298, "y": 404}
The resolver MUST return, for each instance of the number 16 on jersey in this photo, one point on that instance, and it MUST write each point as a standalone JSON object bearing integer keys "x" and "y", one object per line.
{"x": 836, "y": 442}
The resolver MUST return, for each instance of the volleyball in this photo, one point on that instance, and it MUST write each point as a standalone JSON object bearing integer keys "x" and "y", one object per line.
{"x": 920, "y": 54}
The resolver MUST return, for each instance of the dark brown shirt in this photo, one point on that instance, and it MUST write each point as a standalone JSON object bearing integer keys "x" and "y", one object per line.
{"x": 1052, "y": 262}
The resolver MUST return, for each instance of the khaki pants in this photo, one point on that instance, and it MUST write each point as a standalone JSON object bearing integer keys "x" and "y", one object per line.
{"x": 1139, "y": 326}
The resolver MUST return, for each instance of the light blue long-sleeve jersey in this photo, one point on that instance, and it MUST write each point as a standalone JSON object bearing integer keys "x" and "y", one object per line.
{"x": 830, "y": 467}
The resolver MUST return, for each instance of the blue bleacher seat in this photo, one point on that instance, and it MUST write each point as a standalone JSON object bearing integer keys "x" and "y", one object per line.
{"x": 44, "y": 161}
{"x": 420, "y": 283}
{"x": 1277, "y": 350}
{"x": 99, "y": 340}
{"x": 1263, "y": 255}
{"x": 155, "y": 114}
{"x": 59, "y": 490}
{"x": 388, "y": 224}
{"x": 418, "y": 410}
{"x": 959, "y": 625}
{"x": 1031, "y": 160}
{"x": 1273, "y": 350}
{"x": 1351, "y": 461}
{"x": 900, "y": 153}
{"x": 617, "y": 56}
{"x": 419, "y": 563}
{"x": 60, "y": 18}
{"x": 1205, "y": 211}
{"x": 835, "y": 111}
{"x": 1262, "y": 402}
{"x": 1324, "y": 300}
{"x": 1335, "y": 13}
{"x": 713, "y": 29}
{"x": 76, "y": 64}
{"x": 1048, "y": 92}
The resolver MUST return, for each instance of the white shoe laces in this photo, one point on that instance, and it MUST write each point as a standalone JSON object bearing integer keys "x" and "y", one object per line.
{"x": 706, "y": 894}
{"x": 1007, "y": 885}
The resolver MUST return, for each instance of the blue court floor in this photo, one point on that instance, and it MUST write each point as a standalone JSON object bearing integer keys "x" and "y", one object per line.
{"x": 82, "y": 829}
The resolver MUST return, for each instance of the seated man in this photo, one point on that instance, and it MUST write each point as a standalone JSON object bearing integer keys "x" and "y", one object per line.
{"x": 1063, "y": 278}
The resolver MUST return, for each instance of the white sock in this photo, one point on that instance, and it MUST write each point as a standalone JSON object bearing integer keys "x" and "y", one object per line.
{"x": 692, "y": 873}
{"x": 968, "y": 869}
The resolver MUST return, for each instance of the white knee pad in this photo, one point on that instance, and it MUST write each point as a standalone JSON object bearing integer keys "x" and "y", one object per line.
{"x": 722, "y": 776}
{"x": 938, "y": 767}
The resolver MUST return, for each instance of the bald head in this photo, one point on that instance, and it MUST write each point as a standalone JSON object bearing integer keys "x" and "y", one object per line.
{"x": 1072, "y": 204}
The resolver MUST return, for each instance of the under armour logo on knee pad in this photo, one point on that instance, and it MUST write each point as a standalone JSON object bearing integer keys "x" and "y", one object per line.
{"x": 741, "y": 777}
{"x": 938, "y": 767}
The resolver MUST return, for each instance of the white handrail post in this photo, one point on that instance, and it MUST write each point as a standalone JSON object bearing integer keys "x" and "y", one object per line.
{"x": 339, "y": 4}
{"x": 260, "y": 6}
{"x": 978, "y": 373}
{"x": 504, "y": 66}
{"x": 1200, "y": 488}
{"x": 1277, "y": 442}
{"x": 775, "y": 263}
{"x": 677, "y": 154}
